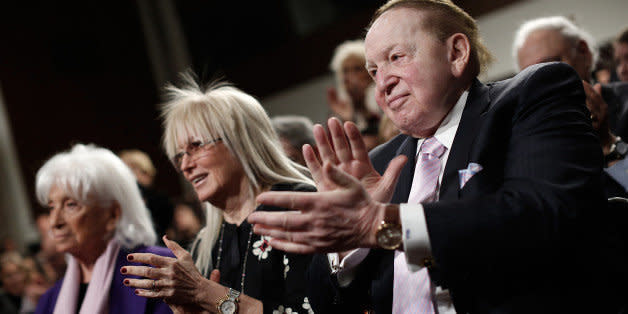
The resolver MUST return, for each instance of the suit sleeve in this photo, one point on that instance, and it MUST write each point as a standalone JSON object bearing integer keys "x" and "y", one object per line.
{"x": 540, "y": 181}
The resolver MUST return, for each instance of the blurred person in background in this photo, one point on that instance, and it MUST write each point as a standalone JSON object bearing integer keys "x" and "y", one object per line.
{"x": 294, "y": 132}
{"x": 47, "y": 259}
{"x": 556, "y": 38}
{"x": 223, "y": 143}
{"x": 604, "y": 70}
{"x": 186, "y": 223}
{"x": 621, "y": 55}
{"x": 159, "y": 205}
{"x": 387, "y": 130}
{"x": 97, "y": 216}
{"x": 16, "y": 278}
{"x": 353, "y": 98}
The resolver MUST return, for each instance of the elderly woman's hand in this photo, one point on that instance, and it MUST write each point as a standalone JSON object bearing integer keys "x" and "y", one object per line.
{"x": 176, "y": 280}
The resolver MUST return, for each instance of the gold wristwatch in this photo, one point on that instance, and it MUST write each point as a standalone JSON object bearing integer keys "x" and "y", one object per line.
{"x": 389, "y": 235}
{"x": 229, "y": 303}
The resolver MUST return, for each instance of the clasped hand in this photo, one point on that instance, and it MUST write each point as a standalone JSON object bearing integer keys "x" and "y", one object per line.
{"x": 348, "y": 206}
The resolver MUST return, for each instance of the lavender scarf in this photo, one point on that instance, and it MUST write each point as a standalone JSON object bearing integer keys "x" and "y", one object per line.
{"x": 97, "y": 296}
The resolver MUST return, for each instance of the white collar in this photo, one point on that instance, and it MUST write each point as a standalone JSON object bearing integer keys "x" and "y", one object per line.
{"x": 447, "y": 129}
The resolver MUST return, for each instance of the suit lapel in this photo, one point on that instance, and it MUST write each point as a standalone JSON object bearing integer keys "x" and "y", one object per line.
{"x": 408, "y": 148}
{"x": 472, "y": 117}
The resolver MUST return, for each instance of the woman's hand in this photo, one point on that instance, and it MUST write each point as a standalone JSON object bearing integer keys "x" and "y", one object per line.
{"x": 175, "y": 280}
{"x": 179, "y": 283}
{"x": 181, "y": 309}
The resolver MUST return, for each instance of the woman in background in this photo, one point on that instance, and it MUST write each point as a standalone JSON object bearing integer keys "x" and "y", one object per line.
{"x": 353, "y": 98}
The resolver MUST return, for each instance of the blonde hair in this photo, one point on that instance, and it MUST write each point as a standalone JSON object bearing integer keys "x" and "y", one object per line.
{"x": 96, "y": 176}
{"x": 139, "y": 159}
{"x": 445, "y": 20}
{"x": 223, "y": 111}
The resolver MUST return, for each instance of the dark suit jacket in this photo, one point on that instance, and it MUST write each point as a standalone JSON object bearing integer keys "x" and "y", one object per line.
{"x": 508, "y": 242}
{"x": 616, "y": 96}
{"x": 121, "y": 298}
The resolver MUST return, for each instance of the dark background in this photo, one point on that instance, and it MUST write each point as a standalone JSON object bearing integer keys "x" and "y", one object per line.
{"x": 75, "y": 71}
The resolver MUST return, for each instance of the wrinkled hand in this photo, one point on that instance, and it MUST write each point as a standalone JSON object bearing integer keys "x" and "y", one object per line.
{"x": 341, "y": 218}
{"x": 182, "y": 309}
{"x": 176, "y": 280}
{"x": 341, "y": 108}
{"x": 351, "y": 157}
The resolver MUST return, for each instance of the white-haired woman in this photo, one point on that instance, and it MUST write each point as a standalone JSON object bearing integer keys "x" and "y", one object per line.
{"x": 222, "y": 141}
{"x": 353, "y": 98}
{"x": 97, "y": 216}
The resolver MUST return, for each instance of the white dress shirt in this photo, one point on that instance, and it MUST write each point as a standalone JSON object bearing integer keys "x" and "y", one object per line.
{"x": 416, "y": 242}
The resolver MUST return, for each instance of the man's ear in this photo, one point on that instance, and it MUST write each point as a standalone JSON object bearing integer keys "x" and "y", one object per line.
{"x": 459, "y": 51}
{"x": 585, "y": 53}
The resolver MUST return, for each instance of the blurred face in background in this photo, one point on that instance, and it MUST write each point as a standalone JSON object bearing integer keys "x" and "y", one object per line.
{"x": 143, "y": 177}
{"x": 356, "y": 78}
{"x": 185, "y": 221}
{"x": 621, "y": 59}
{"x": 77, "y": 228}
{"x": 13, "y": 278}
{"x": 549, "y": 45}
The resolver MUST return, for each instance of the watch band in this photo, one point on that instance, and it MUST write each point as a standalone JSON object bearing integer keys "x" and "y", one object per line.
{"x": 618, "y": 151}
{"x": 230, "y": 301}
{"x": 234, "y": 294}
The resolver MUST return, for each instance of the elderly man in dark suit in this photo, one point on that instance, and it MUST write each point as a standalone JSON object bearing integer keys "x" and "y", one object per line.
{"x": 498, "y": 183}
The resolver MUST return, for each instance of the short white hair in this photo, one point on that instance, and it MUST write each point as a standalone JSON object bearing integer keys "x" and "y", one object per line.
{"x": 344, "y": 51}
{"x": 223, "y": 111}
{"x": 96, "y": 176}
{"x": 558, "y": 23}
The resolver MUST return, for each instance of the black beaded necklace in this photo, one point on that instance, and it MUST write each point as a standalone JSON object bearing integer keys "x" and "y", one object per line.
{"x": 246, "y": 254}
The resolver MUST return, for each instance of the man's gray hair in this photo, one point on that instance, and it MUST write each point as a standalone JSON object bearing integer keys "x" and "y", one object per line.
{"x": 297, "y": 130}
{"x": 558, "y": 23}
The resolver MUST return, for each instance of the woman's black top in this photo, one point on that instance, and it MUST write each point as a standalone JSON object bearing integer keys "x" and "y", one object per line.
{"x": 272, "y": 276}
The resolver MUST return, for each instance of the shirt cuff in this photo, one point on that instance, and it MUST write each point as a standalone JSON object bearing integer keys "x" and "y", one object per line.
{"x": 345, "y": 269}
{"x": 416, "y": 241}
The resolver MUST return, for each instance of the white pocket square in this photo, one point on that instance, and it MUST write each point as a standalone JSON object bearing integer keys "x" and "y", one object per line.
{"x": 464, "y": 175}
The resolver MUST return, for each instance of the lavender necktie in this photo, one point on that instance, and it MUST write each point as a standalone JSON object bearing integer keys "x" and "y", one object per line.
{"x": 413, "y": 291}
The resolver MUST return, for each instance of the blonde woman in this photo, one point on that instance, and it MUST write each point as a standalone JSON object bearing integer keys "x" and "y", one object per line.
{"x": 221, "y": 140}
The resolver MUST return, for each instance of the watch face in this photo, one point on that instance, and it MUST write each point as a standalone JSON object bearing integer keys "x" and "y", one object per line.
{"x": 228, "y": 307}
{"x": 389, "y": 237}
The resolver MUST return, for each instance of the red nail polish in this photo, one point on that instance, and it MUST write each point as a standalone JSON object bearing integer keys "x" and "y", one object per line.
{"x": 123, "y": 270}
{"x": 129, "y": 257}
{"x": 136, "y": 292}
{"x": 126, "y": 282}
